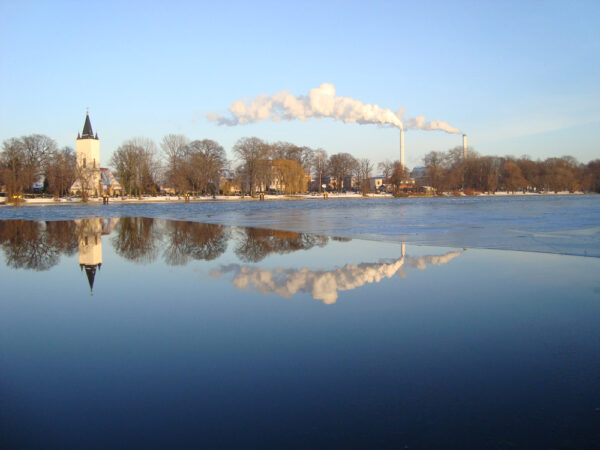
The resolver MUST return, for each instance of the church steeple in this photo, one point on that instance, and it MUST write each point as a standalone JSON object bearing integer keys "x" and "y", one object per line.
{"x": 87, "y": 129}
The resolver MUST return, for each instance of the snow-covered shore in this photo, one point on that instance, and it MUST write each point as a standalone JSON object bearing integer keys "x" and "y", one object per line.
{"x": 332, "y": 195}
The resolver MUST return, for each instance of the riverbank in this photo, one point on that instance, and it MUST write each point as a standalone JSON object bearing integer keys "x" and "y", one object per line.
{"x": 231, "y": 198}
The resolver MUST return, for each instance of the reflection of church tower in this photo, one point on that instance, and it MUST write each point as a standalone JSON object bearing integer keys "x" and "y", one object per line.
{"x": 90, "y": 247}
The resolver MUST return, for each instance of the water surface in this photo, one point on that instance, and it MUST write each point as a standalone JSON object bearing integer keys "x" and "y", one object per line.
{"x": 550, "y": 224}
{"x": 142, "y": 332}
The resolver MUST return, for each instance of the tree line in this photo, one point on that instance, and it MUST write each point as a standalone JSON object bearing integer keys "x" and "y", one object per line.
{"x": 202, "y": 167}
{"x": 450, "y": 171}
{"x": 25, "y": 160}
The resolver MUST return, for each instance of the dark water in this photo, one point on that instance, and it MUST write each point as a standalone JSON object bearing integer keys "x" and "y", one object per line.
{"x": 137, "y": 332}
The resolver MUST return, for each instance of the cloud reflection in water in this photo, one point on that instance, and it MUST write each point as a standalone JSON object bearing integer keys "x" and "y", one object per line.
{"x": 324, "y": 285}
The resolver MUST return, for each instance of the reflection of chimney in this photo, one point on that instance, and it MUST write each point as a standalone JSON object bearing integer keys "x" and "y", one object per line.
{"x": 402, "y": 146}
{"x": 464, "y": 146}
{"x": 403, "y": 249}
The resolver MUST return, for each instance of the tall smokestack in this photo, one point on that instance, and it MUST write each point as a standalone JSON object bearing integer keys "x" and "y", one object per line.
{"x": 464, "y": 146}
{"x": 402, "y": 146}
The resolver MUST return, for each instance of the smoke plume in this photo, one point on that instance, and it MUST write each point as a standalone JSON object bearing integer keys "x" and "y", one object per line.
{"x": 319, "y": 103}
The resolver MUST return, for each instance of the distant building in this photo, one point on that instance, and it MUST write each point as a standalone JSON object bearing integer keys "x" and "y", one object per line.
{"x": 418, "y": 174}
{"x": 110, "y": 185}
{"x": 376, "y": 183}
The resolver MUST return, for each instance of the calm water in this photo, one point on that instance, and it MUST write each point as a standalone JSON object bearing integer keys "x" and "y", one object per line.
{"x": 140, "y": 332}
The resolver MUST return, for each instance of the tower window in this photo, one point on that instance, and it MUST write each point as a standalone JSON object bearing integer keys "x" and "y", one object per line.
{"x": 84, "y": 162}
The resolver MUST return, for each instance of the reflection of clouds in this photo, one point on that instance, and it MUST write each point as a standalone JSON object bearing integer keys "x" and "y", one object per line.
{"x": 324, "y": 285}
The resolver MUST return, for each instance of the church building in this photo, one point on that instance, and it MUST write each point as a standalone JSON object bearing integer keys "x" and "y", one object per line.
{"x": 91, "y": 177}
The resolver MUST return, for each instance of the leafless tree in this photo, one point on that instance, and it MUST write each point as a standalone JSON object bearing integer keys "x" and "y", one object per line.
{"x": 175, "y": 147}
{"x": 399, "y": 176}
{"x": 341, "y": 166}
{"x": 12, "y": 160}
{"x": 253, "y": 154}
{"x": 319, "y": 165}
{"x": 136, "y": 165}
{"x": 386, "y": 168}
{"x": 206, "y": 159}
{"x": 37, "y": 150}
{"x": 364, "y": 170}
{"x": 61, "y": 171}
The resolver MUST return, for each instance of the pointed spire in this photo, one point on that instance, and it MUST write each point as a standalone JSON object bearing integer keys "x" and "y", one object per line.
{"x": 87, "y": 128}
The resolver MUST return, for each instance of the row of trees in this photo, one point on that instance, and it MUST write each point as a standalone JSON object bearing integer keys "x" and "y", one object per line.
{"x": 25, "y": 160}
{"x": 449, "y": 171}
{"x": 198, "y": 166}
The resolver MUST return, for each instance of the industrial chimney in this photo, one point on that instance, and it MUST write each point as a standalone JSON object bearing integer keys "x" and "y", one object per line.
{"x": 464, "y": 146}
{"x": 402, "y": 146}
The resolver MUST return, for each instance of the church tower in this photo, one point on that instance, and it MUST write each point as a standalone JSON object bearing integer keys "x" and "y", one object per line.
{"x": 87, "y": 149}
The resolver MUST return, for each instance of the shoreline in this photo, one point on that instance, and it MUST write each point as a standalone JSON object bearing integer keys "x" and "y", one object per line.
{"x": 300, "y": 197}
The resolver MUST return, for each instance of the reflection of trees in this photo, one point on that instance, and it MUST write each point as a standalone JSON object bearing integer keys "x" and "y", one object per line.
{"x": 62, "y": 236}
{"x": 257, "y": 243}
{"x": 136, "y": 239}
{"x": 192, "y": 240}
{"x": 341, "y": 239}
{"x": 36, "y": 245}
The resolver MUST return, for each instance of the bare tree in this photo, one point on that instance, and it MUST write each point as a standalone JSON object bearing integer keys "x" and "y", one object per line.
{"x": 174, "y": 147}
{"x": 12, "y": 159}
{"x": 37, "y": 150}
{"x": 136, "y": 165}
{"x": 436, "y": 170}
{"x": 341, "y": 166}
{"x": 253, "y": 154}
{"x": 319, "y": 164}
{"x": 61, "y": 171}
{"x": 398, "y": 176}
{"x": 512, "y": 178}
{"x": 386, "y": 168}
{"x": 206, "y": 159}
{"x": 364, "y": 169}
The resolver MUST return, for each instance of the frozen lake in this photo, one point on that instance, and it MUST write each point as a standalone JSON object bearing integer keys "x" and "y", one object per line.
{"x": 550, "y": 224}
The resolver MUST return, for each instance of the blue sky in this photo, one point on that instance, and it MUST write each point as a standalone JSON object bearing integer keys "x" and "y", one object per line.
{"x": 516, "y": 77}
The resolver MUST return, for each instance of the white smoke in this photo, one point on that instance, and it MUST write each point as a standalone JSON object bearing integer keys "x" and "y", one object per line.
{"x": 324, "y": 285}
{"x": 419, "y": 123}
{"x": 319, "y": 103}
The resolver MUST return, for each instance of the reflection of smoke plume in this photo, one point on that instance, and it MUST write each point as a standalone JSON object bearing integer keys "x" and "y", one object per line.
{"x": 320, "y": 102}
{"x": 324, "y": 284}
